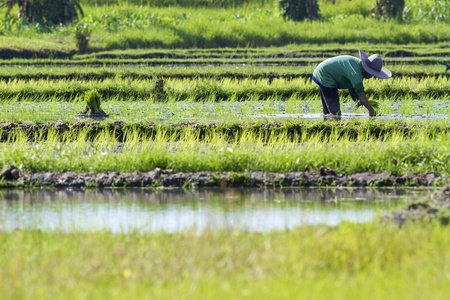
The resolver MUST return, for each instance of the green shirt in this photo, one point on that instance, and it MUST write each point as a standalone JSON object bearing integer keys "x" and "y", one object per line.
{"x": 342, "y": 72}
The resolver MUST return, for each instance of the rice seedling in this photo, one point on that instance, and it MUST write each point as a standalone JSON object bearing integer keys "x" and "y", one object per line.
{"x": 199, "y": 89}
{"x": 92, "y": 109}
{"x": 195, "y": 150}
{"x": 270, "y": 73}
{"x": 204, "y": 62}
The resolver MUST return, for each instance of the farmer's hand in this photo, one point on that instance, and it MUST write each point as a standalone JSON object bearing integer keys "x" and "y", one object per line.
{"x": 364, "y": 101}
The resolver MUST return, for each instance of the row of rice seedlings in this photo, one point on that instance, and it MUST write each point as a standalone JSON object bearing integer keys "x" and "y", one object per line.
{"x": 156, "y": 62}
{"x": 303, "y": 50}
{"x": 300, "y": 50}
{"x": 292, "y": 129}
{"x": 224, "y": 89}
{"x": 49, "y": 72}
{"x": 351, "y": 129}
{"x": 296, "y": 108}
{"x": 189, "y": 152}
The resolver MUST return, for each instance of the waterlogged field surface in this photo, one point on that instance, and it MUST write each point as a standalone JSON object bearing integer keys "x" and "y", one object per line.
{"x": 178, "y": 210}
{"x": 222, "y": 112}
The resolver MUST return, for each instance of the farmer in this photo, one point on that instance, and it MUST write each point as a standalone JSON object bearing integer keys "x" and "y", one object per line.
{"x": 347, "y": 72}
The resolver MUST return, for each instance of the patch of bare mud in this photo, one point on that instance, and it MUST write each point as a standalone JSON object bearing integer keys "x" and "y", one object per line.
{"x": 11, "y": 176}
{"x": 437, "y": 207}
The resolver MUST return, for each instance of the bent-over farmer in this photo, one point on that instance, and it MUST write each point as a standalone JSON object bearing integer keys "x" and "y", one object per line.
{"x": 347, "y": 72}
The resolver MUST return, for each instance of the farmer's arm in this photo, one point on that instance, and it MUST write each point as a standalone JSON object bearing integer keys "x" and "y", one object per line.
{"x": 364, "y": 101}
{"x": 353, "y": 94}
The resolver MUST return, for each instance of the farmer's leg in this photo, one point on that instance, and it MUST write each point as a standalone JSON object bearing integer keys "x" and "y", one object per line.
{"x": 324, "y": 104}
{"x": 330, "y": 101}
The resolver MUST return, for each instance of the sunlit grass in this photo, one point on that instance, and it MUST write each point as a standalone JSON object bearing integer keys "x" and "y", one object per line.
{"x": 309, "y": 262}
{"x": 192, "y": 151}
{"x": 127, "y": 25}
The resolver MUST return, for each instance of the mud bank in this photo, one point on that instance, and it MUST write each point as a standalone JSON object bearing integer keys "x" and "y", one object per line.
{"x": 437, "y": 207}
{"x": 10, "y": 177}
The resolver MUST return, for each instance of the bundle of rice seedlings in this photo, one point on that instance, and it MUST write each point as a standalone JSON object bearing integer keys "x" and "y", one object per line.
{"x": 92, "y": 100}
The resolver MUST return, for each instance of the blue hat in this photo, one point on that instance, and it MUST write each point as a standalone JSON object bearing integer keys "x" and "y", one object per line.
{"x": 374, "y": 65}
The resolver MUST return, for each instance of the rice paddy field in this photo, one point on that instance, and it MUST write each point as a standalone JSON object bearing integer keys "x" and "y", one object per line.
{"x": 221, "y": 86}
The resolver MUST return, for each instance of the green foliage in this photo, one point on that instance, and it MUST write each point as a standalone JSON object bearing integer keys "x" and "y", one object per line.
{"x": 389, "y": 9}
{"x": 82, "y": 35}
{"x": 129, "y": 26}
{"x": 186, "y": 3}
{"x": 343, "y": 8}
{"x": 428, "y": 10}
{"x": 50, "y": 11}
{"x": 298, "y": 10}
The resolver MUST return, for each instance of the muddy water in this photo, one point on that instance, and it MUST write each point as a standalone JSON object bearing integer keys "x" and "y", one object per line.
{"x": 125, "y": 210}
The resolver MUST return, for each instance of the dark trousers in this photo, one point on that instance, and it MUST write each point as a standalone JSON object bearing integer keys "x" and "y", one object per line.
{"x": 330, "y": 101}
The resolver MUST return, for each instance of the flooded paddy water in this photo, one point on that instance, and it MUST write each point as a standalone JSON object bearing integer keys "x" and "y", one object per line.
{"x": 175, "y": 210}
{"x": 212, "y": 112}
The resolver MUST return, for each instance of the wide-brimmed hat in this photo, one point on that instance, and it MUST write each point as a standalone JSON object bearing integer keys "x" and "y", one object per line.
{"x": 374, "y": 65}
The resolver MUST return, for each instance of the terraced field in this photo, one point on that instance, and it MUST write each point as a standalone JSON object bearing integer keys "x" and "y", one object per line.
{"x": 219, "y": 96}
{"x": 205, "y": 118}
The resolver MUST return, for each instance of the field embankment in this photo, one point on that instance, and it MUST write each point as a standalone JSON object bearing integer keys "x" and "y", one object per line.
{"x": 157, "y": 178}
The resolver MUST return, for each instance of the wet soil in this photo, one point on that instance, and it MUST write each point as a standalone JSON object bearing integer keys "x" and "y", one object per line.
{"x": 11, "y": 177}
{"x": 435, "y": 208}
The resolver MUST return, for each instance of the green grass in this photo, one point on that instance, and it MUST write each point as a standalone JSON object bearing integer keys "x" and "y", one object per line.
{"x": 196, "y": 150}
{"x": 128, "y": 26}
{"x": 343, "y": 262}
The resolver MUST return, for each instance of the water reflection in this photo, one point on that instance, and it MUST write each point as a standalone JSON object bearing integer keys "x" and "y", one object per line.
{"x": 216, "y": 112}
{"x": 174, "y": 210}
